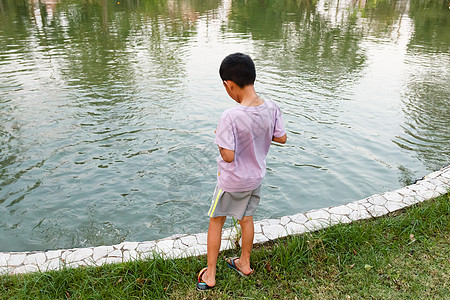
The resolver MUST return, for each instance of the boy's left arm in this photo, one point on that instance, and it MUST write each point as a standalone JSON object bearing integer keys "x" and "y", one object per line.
{"x": 279, "y": 133}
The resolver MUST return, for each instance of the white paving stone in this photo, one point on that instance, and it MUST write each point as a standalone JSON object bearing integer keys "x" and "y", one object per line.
{"x": 202, "y": 238}
{"x": 284, "y": 220}
{"x": 415, "y": 187}
{"x": 274, "y": 231}
{"x": 264, "y": 222}
{"x": 392, "y": 206}
{"x": 360, "y": 214}
{"x": 339, "y": 219}
{"x": 146, "y": 255}
{"x": 65, "y": 254}
{"x": 189, "y": 240}
{"x": 441, "y": 189}
{"x": 89, "y": 262}
{"x": 258, "y": 227}
{"x": 427, "y": 184}
{"x": 115, "y": 260}
{"x": 377, "y": 200}
{"x": 355, "y": 206}
{"x": 429, "y": 194}
{"x": 174, "y": 237}
{"x": 146, "y": 247}
{"x": 131, "y": 255}
{"x": 260, "y": 238}
{"x": 101, "y": 251}
{"x": 16, "y": 259}
{"x": 53, "y": 254}
{"x": 103, "y": 260}
{"x": 79, "y": 255}
{"x": 295, "y": 228}
{"x": 229, "y": 233}
{"x": 177, "y": 244}
{"x": 118, "y": 246}
{"x": 109, "y": 260}
{"x": 4, "y": 259}
{"x": 271, "y": 222}
{"x": 318, "y": 214}
{"x": 164, "y": 246}
{"x": 340, "y": 210}
{"x": 366, "y": 204}
{"x": 393, "y": 196}
{"x": 226, "y": 245}
{"x": 438, "y": 182}
{"x": 4, "y": 270}
{"x": 130, "y": 245}
{"x": 410, "y": 200}
{"x": 377, "y": 210}
{"x": 115, "y": 253}
{"x": 424, "y": 191}
{"x": 363, "y": 203}
{"x": 37, "y": 258}
{"x": 433, "y": 175}
{"x": 26, "y": 269}
{"x": 317, "y": 224}
{"x": 405, "y": 191}
{"x": 51, "y": 264}
{"x": 175, "y": 253}
{"x": 198, "y": 250}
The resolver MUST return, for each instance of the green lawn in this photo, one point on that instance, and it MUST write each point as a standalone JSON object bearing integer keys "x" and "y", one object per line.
{"x": 404, "y": 255}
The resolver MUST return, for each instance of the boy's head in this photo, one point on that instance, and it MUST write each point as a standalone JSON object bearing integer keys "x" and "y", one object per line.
{"x": 239, "y": 68}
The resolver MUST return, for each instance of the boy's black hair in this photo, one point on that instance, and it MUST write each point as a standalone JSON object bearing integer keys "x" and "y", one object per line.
{"x": 239, "y": 68}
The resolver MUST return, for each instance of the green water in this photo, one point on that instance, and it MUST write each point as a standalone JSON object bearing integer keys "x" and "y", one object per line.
{"x": 108, "y": 109}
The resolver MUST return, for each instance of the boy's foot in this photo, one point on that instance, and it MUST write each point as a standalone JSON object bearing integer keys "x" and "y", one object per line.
{"x": 201, "y": 285}
{"x": 231, "y": 262}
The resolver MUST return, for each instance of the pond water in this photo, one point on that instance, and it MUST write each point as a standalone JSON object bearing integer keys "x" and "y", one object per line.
{"x": 108, "y": 109}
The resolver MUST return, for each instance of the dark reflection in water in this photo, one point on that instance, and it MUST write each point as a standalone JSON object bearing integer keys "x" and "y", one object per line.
{"x": 108, "y": 108}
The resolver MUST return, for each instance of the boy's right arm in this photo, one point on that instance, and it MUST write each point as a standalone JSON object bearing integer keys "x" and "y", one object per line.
{"x": 227, "y": 155}
{"x": 281, "y": 139}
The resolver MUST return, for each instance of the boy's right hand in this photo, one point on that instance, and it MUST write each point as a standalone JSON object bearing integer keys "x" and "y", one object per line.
{"x": 281, "y": 139}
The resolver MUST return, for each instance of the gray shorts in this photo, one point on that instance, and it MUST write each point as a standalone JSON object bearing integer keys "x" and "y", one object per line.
{"x": 234, "y": 204}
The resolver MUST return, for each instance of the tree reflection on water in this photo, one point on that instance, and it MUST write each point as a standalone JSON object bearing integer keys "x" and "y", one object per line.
{"x": 426, "y": 101}
{"x": 107, "y": 107}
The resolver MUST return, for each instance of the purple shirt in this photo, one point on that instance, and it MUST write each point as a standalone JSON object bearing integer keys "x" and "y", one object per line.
{"x": 248, "y": 131}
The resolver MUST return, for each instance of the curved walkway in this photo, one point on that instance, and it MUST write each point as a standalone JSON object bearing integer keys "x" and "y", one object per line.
{"x": 431, "y": 186}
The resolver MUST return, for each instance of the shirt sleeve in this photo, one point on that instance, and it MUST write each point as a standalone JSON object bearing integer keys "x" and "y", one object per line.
{"x": 279, "y": 129}
{"x": 224, "y": 133}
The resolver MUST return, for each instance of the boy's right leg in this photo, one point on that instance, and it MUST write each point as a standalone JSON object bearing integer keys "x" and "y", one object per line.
{"x": 213, "y": 247}
{"x": 248, "y": 232}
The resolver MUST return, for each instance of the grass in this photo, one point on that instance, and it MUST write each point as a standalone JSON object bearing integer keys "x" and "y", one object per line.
{"x": 400, "y": 256}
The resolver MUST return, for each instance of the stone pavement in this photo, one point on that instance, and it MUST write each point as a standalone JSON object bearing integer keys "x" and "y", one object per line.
{"x": 431, "y": 186}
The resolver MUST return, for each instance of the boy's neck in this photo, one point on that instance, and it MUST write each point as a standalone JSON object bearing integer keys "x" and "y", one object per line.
{"x": 247, "y": 97}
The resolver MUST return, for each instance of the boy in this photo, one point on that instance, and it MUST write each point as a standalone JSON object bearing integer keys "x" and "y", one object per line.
{"x": 243, "y": 135}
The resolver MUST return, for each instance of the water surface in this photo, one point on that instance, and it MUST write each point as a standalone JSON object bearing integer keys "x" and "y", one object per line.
{"x": 108, "y": 109}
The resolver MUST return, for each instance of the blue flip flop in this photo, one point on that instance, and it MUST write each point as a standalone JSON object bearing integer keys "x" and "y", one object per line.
{"x": 201, "y": 285}
{"x": 232, "y": 265}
